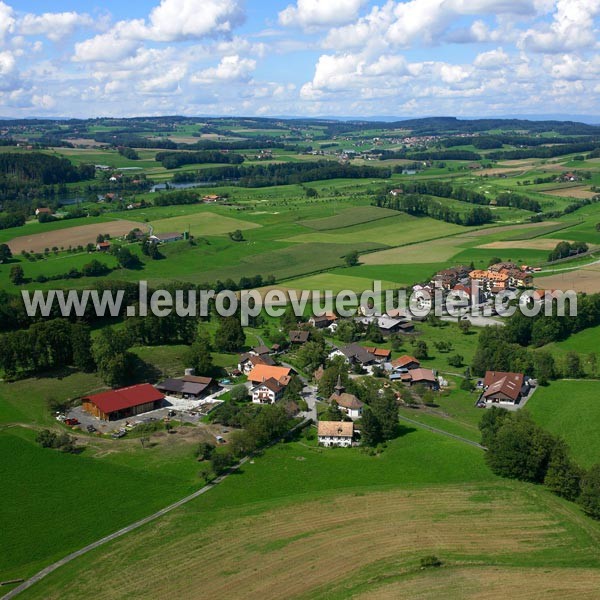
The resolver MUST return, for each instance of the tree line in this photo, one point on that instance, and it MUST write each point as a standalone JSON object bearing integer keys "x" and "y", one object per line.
{"x": 172, "y": 160}
{"x": 42, "y": 168}
{"x": 520, "y": 449}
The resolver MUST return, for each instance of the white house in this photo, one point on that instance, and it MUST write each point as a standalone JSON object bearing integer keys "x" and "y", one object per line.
{"x": 348, "y": 403}
{"x": 335, "y": 433}
{"x": 267, "y": 392}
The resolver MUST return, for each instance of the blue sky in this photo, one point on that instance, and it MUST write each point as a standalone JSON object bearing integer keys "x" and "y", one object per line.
{"x": 299, "y": 57}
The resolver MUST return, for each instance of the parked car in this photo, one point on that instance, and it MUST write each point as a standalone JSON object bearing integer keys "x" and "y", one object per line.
{"x": 90, "y": 429}
{"x": 119, "y": 434}
{"x": 71, "y": 422}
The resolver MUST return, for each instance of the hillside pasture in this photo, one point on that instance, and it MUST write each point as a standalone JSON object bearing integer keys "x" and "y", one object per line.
{"x": 73, "y": 236}
{"x": 580, "y": 191}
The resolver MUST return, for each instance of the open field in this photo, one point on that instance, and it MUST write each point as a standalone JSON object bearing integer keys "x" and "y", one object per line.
{"x": 336, "y": 283}
{"x": 535, "y": 244}
{"x": 342, "y": 538}
{"x": 202, "y": 223}
{"x": 489, "y": 583}
{"x": 425, "y": 252}
{"x": 80, "y": 235}
{"x": 571, "y": 409}
{"x": 351, "y": 216}
{"x": 585, "y": 279}
{"x": 395, "y": 231}
{"x": 580, "y": 191}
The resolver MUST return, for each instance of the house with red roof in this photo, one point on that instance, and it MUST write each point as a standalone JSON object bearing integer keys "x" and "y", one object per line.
{"x": 123, "y": 402}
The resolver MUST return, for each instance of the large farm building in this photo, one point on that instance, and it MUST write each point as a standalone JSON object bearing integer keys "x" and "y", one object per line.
{"x": 124, "y": 402}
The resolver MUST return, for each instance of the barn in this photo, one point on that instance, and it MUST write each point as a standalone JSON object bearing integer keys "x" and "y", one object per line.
{"x": 124, "y": 402}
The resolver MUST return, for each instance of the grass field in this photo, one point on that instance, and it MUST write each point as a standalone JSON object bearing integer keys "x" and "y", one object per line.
{"x": 571, "y": 409}
{"x": 202, "y": 223}
{"x": 349, "y": 217}
{"x": 324, "y": 524}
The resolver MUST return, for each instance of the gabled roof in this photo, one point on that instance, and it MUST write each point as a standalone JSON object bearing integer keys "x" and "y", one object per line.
{"x": 185, "y": 385}
{"x": 499, "y": 382}
{"x": 298, "y": 336}
{"x": 420, "y": 374}
{"x": 335, "y": 429}
{"x": 404, "y": 360}
{"x": 379, "y": 352}
{"x": 260, "y": 350}
{"x": 255, "y": 359}
{"x": 263, "y": 372}
{"x": 356, "y": 352}
{"x": 272, "y": 384}
{"x": 345, "y": 400}
{"x": 127, "y": 397}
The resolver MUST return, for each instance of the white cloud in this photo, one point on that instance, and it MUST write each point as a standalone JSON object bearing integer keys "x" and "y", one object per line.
{"x": 492, "y": 59}
{"x": 7, "y": 63}
{"x": 105, "y": 47}
{"x": 320, "y": 13}
{"x": 231, "y": 68}
{"x": 54, "y": 26}
{"x": 572, "y": 28}
{"x": 7, "y": 20}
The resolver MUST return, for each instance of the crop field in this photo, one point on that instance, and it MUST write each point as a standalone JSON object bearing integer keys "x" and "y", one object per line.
{"x": 351, "y": 528}
{"x": 349, "y": 217}
{"x": 75, "y": 236}
{"x": 580, "y": 191}
{"x": 336, "y": 283}
{"x": 571, "y": 409}
{"x": 202, "y": 223}
{"x": 534, "y": 244}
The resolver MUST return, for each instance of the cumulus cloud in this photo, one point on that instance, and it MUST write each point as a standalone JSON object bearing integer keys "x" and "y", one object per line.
{"x": 231, "y": 68}
{"x": 54, "y": 26}
{"x": 7, "y": 20}
{"x": 105, "y": 47}
{"x": 320, "y": 13}
{"x": 492, "y": 59}
{"x": 572, "y": 27}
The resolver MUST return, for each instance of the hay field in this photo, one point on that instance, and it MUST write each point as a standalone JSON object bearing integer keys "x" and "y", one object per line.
{"x": 72, "y": 236}
{"x": 349, "y": 217}
{"x": 491, "y": 583}
{"x": 426, "y": 252}
{"x": 319, "y": 547}
{"x": 202, "y": 223}
{"x": 535, "y": 244}
{"x": 580, "y": 191}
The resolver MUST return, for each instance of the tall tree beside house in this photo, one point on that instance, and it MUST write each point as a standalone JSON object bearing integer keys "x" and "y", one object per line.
{"x": 334, "y": 412}
{"x": 198, "y": 355}
{"x": 82, "y": 347}
{"x": 370, "y": 428}
{"x": 590, "y": 492}
{"x": 311, "y": 355}
{"x": 293, "y": 389}
{"x": 337, "y": 368}
{"x": 573, "y": 367}
{"x": 385, "y": 410}
{"x": 230, "y": 336}
{"x": 544, "y": 366}
{"x": 288, "y": 320}
{"x": 421, "y": 351}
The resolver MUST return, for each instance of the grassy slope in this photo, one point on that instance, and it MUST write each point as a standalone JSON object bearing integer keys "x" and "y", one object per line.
{"x": 340, "y": 516}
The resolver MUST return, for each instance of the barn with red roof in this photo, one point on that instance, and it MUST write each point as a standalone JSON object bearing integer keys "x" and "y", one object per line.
{"x": 124, "y": 402}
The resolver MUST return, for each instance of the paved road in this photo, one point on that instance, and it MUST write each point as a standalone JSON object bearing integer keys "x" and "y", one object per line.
{"x": 442, "y": 432}
{"x": 67, "y": 559}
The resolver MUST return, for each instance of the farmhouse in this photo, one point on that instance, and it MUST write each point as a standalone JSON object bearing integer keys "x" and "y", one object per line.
{"x": 406, "y": 362}
{"x": 322, "y": 321}
{"x": 504, "y": 388}
{"x": 210, "y": 198}
{"x": 103, "y": 246}
{"x": 123, "y": 402}
{"x": 43, "y": 211}
{"x": 298, "y": 337}
{"x": 189, "y": 386}
{"x": 422, "y": 376}
{"x": 263, "y": 372}
{"x": 335, "y": 433}
{"x": 353, "y": 353}
{"x": 261, "y": 351}
{"x": 268, "y": 392}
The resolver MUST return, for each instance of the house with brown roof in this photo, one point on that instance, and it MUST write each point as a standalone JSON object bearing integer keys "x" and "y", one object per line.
{"x": 322, "y": 321}
{"x": 348, "y": 403}
{"x": 268, "y": 391}
{"x": 504, "y": 387}
{"x": 297, "y": 336}
{"x": 425, "y": 377}
{"x": 379, "y": 354}
{"x": 248, "y": 361}
{"x": 123, "y": 402}
{"x": 188, "y": 386}
{"x": 43, "y": 211}
{"x": 335, "y": 433}
{"x": 406, "y": 362}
